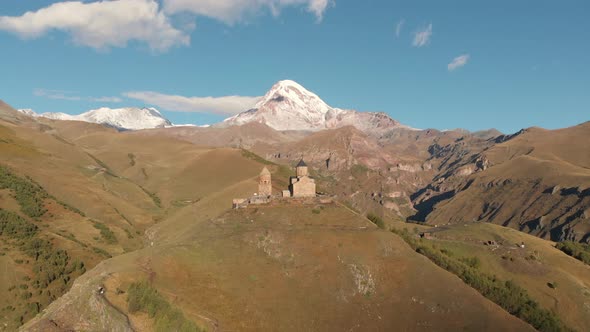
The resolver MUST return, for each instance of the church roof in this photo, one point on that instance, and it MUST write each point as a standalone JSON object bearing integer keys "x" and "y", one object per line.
{"x": 301, "y": 163}
{"x": 265, "y": 171}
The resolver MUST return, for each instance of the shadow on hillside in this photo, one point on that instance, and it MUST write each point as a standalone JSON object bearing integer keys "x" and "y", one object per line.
{"x": 427, "y": 206}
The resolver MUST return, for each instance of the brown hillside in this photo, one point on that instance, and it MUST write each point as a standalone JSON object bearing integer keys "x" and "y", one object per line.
{"x": 537, "y": 182}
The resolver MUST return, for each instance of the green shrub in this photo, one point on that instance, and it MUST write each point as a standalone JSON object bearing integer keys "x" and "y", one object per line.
{"x": 101, "y": 252}
{"x": 33, "y": 308}
{"x": 142, "y": 297}
{"x": 15, "y": 226}
{"x": 105, "y": 232}
{"x": 131, "y": 157}
{"x": 358, "y": 170}
{"x": 447, "y": 252}
{"x": 579, "y": 251}
{"x": 473, "y": 262}
{"x": 29, "y": 195}
{"x": 153, "y": 196}
{"x": 51, "y": 267}
{"x": 70, "y": 208}
{"x": 315, "y": 211}
{"x": 376, "y": 220}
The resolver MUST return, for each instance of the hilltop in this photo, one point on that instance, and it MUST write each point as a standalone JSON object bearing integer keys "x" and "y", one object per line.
{"x": 289, "y": 268}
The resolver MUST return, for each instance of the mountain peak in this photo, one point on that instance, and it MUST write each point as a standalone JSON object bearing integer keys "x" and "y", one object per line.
{"x": 290, "y": 106}
{"x": 127, "y": 118}
{"x": 288, "y": 94}
{"x": 287, "y": 83}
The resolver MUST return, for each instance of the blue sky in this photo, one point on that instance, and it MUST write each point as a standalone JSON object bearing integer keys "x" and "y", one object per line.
{"x": 517, "y": 63}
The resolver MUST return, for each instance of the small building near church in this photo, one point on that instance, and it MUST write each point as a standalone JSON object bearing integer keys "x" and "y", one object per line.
{"x": 264, "y": 183}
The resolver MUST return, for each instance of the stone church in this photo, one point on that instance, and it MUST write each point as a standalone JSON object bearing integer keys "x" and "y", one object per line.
{"x": 301, "y": 185}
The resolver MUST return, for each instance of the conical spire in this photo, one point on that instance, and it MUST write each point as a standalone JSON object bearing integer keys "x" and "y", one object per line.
{"x": 265, "y": 171}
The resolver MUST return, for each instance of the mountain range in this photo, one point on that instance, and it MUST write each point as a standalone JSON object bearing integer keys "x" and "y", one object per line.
{"x": 412, "y": 174}
{"x": 128, "y": 118}
{"x": 286, "y": 106}
{"x": 153, "y": 206}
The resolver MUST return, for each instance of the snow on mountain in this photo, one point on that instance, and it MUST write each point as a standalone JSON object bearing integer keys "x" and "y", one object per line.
{"x": 28, "y": 112}
{"x": 128, "y": 118}
{"x": 289, "y": 106}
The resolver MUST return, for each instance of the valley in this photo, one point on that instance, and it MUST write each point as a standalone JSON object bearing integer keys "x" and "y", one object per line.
{"x": 149, "y": 211}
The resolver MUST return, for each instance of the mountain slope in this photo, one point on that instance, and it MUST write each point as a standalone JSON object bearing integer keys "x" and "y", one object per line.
{"x": 537, "y": 181}
{"x": 289, "y": 106}
{"x": 284, "y": 268}
{"x": 128, "y": 118}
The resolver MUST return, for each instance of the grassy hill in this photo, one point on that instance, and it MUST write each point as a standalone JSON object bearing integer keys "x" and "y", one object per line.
{"x": 151, "y": 214}
{"x": 286, "y": 267}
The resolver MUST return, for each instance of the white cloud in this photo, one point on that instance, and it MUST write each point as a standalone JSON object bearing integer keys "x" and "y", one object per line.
{"x": 399, "y": 26}
{"x": 105, "y": 99}
{"x": 217, "y": 105}
{"x": 101, "y": 24}
{"x": 458, "y": 62}
{"x": 422, "y": 37}
{"x": 55, "y": 94}
{"x": 68, "y": 95}
{"x": 235, "y": 11}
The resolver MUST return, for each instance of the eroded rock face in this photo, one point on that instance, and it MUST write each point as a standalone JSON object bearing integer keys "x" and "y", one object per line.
{"x": 465, "y": 170}
{"x": 410, "y": 168}
{"x": 92, "y": 310}
{"x": 482, "y": 163}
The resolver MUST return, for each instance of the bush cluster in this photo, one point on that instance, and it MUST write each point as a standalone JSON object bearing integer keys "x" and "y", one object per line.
{"x": 577, "y": 250}
{"x": 105, "y": 232}
{"x": 53, "y": 269}
{"x": 142, "y": 297}
{"x": 70, "y": 208}
{"x": 15, "y": 226}
{"x": 29, "y": 195}
{"x": 375, "y": 219}
{"x": 506, "y": 294}
{"x": 131, "y": 157}
{"x": 153, "y": 196}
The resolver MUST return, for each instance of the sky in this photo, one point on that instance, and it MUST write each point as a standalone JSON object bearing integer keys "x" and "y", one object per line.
{"x": 468, "y": 64}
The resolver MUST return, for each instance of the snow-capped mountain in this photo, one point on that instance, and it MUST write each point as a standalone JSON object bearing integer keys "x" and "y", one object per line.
{"x": 289, "y": 106}
{"x": 128, "y": 118}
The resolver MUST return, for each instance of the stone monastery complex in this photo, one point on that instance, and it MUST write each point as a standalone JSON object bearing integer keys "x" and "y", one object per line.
{"x": 300, "y": 186}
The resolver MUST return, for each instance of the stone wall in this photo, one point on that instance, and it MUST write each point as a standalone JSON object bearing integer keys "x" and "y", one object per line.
{"x": 305, "y": 187}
